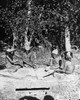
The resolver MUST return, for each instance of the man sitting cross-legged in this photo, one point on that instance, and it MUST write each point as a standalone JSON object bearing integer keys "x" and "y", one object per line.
{"x": 65, "y": 66}
{"x": 54, "y": 55}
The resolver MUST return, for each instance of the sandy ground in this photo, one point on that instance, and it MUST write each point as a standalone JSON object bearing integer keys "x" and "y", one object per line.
{"x": 59, "y": 86}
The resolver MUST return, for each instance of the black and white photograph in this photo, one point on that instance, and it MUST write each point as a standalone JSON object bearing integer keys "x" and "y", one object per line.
{"x": 39, "y": 49}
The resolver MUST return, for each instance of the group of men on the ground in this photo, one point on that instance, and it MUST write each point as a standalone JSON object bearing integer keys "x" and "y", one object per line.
{"x": 64, "y": 62}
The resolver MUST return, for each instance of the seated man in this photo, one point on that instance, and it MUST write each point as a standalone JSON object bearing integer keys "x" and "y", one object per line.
{"x": 54, "y": 54}
{"x": 65, "y": 65}
{"x": 2, "y": 61}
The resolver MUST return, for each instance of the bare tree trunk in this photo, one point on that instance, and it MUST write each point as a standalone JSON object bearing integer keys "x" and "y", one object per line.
{"x": 67, "y": 40}
{"x": 27, "y": 43}
{"x": 14, "y": 40}
{"x": 29, "y": 8}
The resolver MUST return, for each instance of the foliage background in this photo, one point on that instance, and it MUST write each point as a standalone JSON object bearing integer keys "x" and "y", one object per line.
{"x": 46, "y": 23}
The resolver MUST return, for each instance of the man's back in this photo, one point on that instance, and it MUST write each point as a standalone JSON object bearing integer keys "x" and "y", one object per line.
{"x": 69, "y": 68}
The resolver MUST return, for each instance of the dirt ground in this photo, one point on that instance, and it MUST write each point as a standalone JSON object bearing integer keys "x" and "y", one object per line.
{"x": 27, "y": 81}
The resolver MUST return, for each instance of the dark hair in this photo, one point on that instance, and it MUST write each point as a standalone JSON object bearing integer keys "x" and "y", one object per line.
{"x": 28, "y": 98}
{"x": 48, "y": 97}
